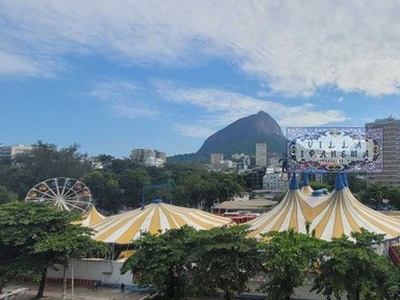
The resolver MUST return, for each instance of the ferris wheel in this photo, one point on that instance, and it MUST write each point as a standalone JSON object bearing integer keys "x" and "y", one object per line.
{"x": 62, "y": 192}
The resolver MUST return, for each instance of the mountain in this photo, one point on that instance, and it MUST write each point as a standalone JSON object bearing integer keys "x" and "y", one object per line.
{"x": 242, "y": 135}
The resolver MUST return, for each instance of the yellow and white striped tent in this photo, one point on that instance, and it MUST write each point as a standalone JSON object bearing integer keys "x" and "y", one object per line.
{"x": 329, "y": 216}
{"x": 306, "y": 189}
{"x": 292, "y": 212}
{"x": 342, "y": 213}
{"x": 156, "y": 217}
{"x": 91, "y": 216}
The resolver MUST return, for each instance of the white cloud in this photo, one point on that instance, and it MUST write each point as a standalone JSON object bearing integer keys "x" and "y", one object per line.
{"x": 295, "y": 47}
{"x": 312, "y": 118}
{"x": 12, "y": 64}
{"x": 124, "y": 99}
{"x": 193, "y": 131}
{"x": 220, "y": 108}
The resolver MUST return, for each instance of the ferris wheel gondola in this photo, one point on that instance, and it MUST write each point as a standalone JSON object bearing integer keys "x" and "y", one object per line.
{"x": 62, "y": 192}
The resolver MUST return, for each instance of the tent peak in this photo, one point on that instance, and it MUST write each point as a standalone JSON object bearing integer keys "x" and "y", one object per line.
{"x": 293, "y": 183}
{"x": 339, "y": 185}
{"x": 344, "y": 179}
{"x": 305, "y": 181}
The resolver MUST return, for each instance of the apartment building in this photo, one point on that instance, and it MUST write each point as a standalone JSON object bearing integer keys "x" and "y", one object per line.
{"x": 12, "y": 151}
{"x": 390, "y": 175}
{"x": 261, "y": 155}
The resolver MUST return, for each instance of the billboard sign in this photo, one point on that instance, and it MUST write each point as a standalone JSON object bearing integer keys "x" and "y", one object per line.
{"x": 334, "y": 149}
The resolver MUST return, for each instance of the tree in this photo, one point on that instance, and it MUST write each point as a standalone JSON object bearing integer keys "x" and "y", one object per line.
{"x": 105, "y": 188}
{"x": 287, "y": 257}
{"x": 36, "y": 236}
{"x": 224, "y": 258}
{"x": 162, "y": 260}
{"x": 73, "y": 242}
{"x": 352, "y": 267}
{"x": 104, "y": 161}
{"x": 46, "y": 161}
{"x": 132, "y": 182}
{"x": 6, "y": 195}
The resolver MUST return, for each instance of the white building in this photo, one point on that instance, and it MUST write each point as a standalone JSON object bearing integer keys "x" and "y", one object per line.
{"x": 216, "y": 158}
{"x": 390, "y": 174}
{"x": 275, "y": 182}
{"x": 149, "y": 157}
{"x": 153, "y": 161}
{"x": 12, "y": 151}
{"x": 261, "y": 154}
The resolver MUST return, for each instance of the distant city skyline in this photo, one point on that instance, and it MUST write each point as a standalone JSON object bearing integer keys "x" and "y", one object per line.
{"x": 166, "y": 75}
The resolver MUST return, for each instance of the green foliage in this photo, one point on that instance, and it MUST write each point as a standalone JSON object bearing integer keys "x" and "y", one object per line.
{"x": 353, "y": 268}
{"x": 356, "y": 183}
{"x": 46, "y": 161}
{"x": 287, "y": 257}
{"x": 190, "y": 158}
{"x": 373, "y": 195}
{"x": 118, "y": 183}
{"x": 35, "y": 236}
{"x": 105, "y": 188}
{"x": 161, "y": 261}
{"x": 225, "y": 259}
{"x": 184, "y": 261}
{"x": 132, "y": 182}
{"x": 6, "y": 195}
{"x": 279, "y": 197}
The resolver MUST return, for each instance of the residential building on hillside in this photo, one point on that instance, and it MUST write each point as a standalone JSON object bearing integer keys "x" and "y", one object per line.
{"x": 275, "y": 182}
{"x": 261, "y": 154}
{"x": 216, "y": 158}
{"x": 390, "y": 174}
{"x": 148, "y": 157}
{"x": 153, "y": 161}
{"x": 257, "y": 175}
{"x": 11, "y": 151}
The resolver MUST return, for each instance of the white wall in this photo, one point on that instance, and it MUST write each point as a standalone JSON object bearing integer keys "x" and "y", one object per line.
{"x": 95, "y": 269}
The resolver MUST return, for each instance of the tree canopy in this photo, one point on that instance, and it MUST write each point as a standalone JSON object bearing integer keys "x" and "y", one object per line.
{"x": 287, "y": 257}
{"x": 35, "y": 236}
{"x": 184, "y": 262}
{"x": 350, "y": 266}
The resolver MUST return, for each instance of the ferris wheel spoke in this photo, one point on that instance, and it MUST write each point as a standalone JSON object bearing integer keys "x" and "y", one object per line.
{"x": 77, "y": 206}
{"x": 70, "y": 189}
{"x": 71, "y": 193}
{"x": 64, "y": 186}
{"x": 64, "y": 205}
{"x": 63, "y": 193}
{"x": 47, "y": 195}
{"x": 70, "y": 196}
{"x": 49, "y": 189}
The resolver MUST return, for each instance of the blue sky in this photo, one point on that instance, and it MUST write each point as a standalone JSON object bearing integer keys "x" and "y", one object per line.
{"x": 117, "y": 75}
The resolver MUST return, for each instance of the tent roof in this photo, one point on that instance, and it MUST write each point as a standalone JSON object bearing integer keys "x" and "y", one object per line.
{"x": 342, "y": 213}
{"x": 292, "y": 212}
{"x": 254, "y": 204}
{"x": 90, "y": 216}
{"x": 306, "y": 190}
{"x": 330, "y": 216}
{"x": 154, "y": 218}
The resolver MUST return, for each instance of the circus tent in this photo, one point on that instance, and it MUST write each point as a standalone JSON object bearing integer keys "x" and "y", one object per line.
{"x": 292, "y": 212}
{"x": 91, "y": 216}
{"x": 154, "y": 218}
{"x": 329, "y": 216}
{"x": 306, "y": 189}
{"x": 342, "y": 213}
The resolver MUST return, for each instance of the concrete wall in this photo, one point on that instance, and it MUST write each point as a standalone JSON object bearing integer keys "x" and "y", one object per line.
{"x": 107, "y": 271}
